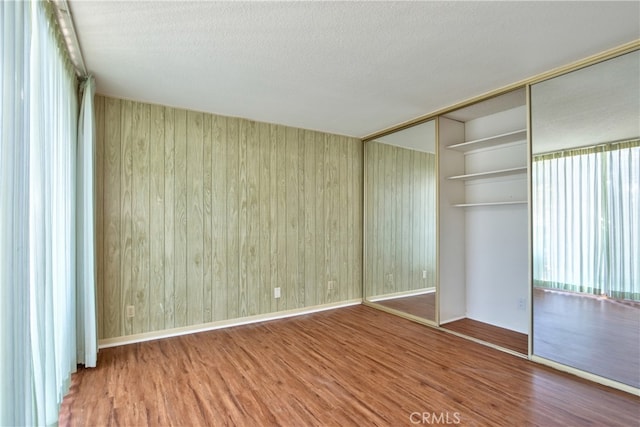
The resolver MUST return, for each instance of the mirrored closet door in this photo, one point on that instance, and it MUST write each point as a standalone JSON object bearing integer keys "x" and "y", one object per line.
{"x": 586, "y": 219}
{"x": 400, "y": 222}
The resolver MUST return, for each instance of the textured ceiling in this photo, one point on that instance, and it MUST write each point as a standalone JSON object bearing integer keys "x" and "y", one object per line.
{"x": 351, "y": 68}
{"x": 420, "y": 137}
{"x": 604, "y": 106}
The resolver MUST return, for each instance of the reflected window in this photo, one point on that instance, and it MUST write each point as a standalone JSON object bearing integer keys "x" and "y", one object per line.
{"x": 587, "y": 211}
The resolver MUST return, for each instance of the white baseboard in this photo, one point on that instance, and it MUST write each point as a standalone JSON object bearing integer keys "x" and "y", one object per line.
{"x": 167, "y": 333}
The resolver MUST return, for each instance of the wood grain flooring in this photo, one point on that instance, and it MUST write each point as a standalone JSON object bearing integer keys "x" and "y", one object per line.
{"x": 502, "y": 337}
{"x": 423, "y": 306}
{"x": 347, "y": 367}
{"x": 597, "y": 335}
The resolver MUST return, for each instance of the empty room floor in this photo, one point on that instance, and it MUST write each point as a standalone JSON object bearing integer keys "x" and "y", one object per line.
{"x": 423, "y": 306}
{"x": 349, "y": 366}
{"x": 595, "y": 334}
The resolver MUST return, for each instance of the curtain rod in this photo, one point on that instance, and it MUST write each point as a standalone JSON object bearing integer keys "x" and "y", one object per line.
{"x": 68, "y": 29}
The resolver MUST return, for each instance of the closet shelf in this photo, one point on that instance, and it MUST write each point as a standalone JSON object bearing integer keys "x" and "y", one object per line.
{"x": 491, "y": 141}
{"x": 489, "y": 174}
{"x": 470, "y": 205}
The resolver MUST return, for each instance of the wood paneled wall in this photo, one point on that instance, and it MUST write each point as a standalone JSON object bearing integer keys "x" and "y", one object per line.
{"x": 400, "y": 217}
{"x": 201, "y": 216}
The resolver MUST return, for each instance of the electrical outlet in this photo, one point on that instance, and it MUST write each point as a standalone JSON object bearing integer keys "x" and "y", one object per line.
{"x": 424, "y": 274}
{"x": 276, "y": 292}
{"x": 131, "y": 311}
{"x": 331, "y": 285}
{"x": 522, "y": 304}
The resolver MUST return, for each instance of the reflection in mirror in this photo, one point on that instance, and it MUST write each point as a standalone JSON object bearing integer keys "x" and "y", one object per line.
{"x": 400, "y": 218}
{"x": 586, "y": 219}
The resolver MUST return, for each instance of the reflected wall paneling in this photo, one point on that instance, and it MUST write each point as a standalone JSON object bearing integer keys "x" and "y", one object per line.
{"x": 399, "y": 246}
{"x": 201, "y": 216}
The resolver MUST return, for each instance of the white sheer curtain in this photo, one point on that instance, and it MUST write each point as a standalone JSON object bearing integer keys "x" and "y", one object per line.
{"x": 15, "y": 350}
{"x": 87, "y": 330}
{"x": 586, "y": 213}
{"x": 38, "y": 288}
{"x": 52, "y": 142}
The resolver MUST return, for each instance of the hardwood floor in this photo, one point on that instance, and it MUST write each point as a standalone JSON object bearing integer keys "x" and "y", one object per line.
{"x": 423, "y": 306}
{"x": 346, "y": 367}
{"x": 597, "y": 335}
{"x": 493, "y": 334}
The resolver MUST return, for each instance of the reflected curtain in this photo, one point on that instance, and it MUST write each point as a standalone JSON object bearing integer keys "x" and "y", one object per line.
{"x": 38, "y": 164}
{"x": 586, "y": 216}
